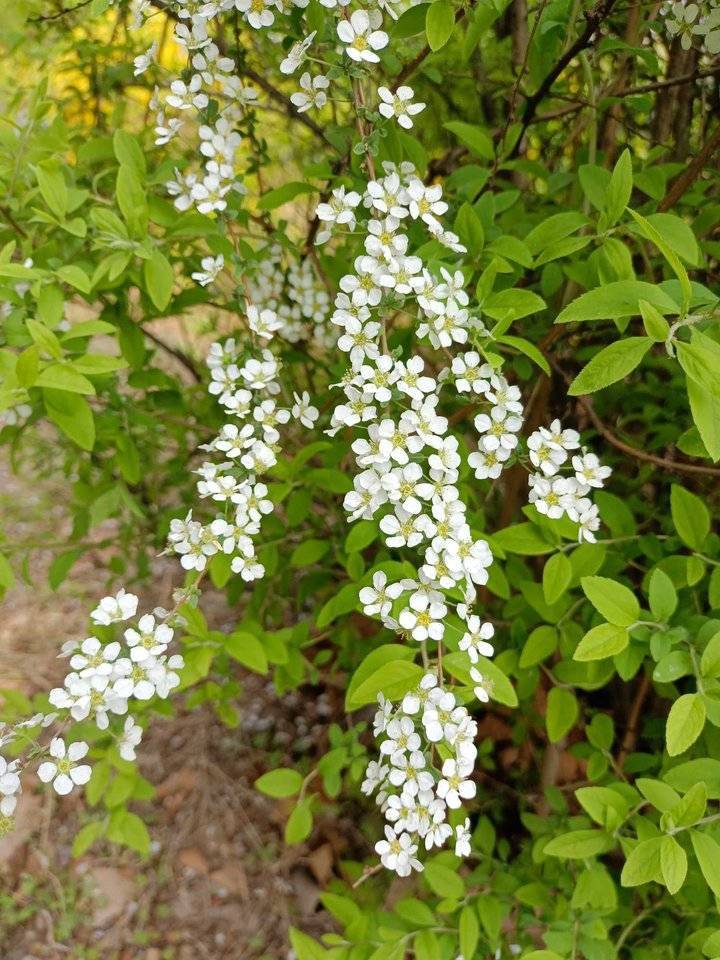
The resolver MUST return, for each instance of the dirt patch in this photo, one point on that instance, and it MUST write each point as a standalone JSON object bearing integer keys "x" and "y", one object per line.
{"x": 219, "y": 884}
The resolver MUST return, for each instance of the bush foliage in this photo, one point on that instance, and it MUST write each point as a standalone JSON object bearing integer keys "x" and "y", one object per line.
{"x": 531, "y": 252}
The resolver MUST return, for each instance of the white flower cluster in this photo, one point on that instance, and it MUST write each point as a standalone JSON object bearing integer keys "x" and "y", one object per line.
{"x": 554, "y": 495}
{"x": 694, "y": 21}
{"x": 292, "y": 289}
{"x": 108, "y": 677}
{"x": 413, "y": 793}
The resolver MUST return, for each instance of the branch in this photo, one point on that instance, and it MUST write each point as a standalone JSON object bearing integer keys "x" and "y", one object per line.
{"x": 679, "y": 466}
{"x": 174, "y": 352}
{"x": 693, "y": 170}
{"x": 593, "y": 20}
{"x": 62, "y": 13}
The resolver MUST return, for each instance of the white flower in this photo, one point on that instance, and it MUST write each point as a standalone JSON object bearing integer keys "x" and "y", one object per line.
{"x": 397, "y": 852}
{"x": 423, "y": 618}
{"x": 361, "y": 36}
{"x": 470, "y": 374}
{"x": 211, "y": 267}
{"x": 380, "y": 596}
{"x": 63, "y": 770}
{"x": 382, "y": 715}
{"x": 144, "y": 61}
{"x": 589, "y": 472}
{"x": 462, "y": 839}
{"x": 130, "y": 738}
{"x": 483, "y": 688}
{"x": 296, "y": 55}
{"x": 454, "y": 788}
{"x": 112, "y": 609}
{"x": 475, "y": 639}
{"x": 303, "y": 410}
{"x": 149, "y": 640}
{"x": 402, "y": 737}
{"x": 499, "y": 429}
{"x": 9, "y": 777}
{"x": 426, "y": 202}
{"x": 399, "y": 105}
{"x": 488, "y": 464}
{"x": 264, "y": 323}
{"x": 375, "y": 775}
{"x": 311, "y": 94}
{"x": 552, "y": 497}
{"x": 422, "y": 695}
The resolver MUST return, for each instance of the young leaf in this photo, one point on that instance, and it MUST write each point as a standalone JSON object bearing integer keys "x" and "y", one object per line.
{"x": 685, "y": 723}
{"x": 662, "y": 595}
{"x": 612, "y": 600}
{"x": 610, "y": 365}
{"x": 561, "y": 713}
{"x": 279, "y": 783}
{"x": 605, "y": 640}
{"x": 619, "y": 188}
{"x": 690, "y": 516}
{"x": 643, "y": 865}
{"x": 673, "y": 864}
{"x": 707, "y": 851}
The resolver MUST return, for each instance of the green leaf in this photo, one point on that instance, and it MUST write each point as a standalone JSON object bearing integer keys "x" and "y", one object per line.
{"x": 705, "y": 409}
{"x": 619, "y": 188}
{"x": 472, "y": 136}
{"x": 159, "y": 279}
{"x": 300, "y": 823}
{"x": 686, "y": 775}
{"x": 612, "y": 600}
{"x": 86, "y": 837}
{"x": 439, "y": 23}
{"x": 280, "y": 783}
{"x": 247, "y": 650}
{"x": 529, "y": 349}
{"x": 75, "y": 277}
{"x": 329, "y": 480}
{"x": 610, "y": 365}
{"x": 128, "y": 150}
{"x": 541, "y": 643}
{"x": 128, "y": 829}
{"x": 643, "y": 864}
{"x": 374, "y": 660}
{"x": 44, "y": 338}
{"x": 710, "y": 660}
{"x": 673, "y": 864}
{"x": 53, "y": 187}
{"x": 394, "y": 679}
{"x": 469, "y": 228}
{"x": 309, "y": 552}
{"x": 284, "y": 194}
{"x": 707, "y": 852}
{"x": 561, "y": 714}
{"x": 7, "y": 576}
{"x": 616, "y": 300}
{"x": 656, "y": 326}
{"x": 304, "y": 947}
{"x": 662, "y": 595}
{"x": 579, "y": 844}
{"x": 72, "y": 414}
{"x": 605, "y": 640}
{"x": 443, "y": 881}
{"x": 690, "y": 516}
{"x": 61, "y": 376}
{"x": 685, "y": 723}
{"x": 522, "y": 538}
{"x": 654, "y": 235}
{"x": 130, "y": 196}
{"x": 361, "y": 535}
{"x": 512, "y": 304}
{"x": 468, "y": 931}
{"x": 557, "y": 574}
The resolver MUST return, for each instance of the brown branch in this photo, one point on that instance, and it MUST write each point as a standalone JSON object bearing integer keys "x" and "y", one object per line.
{"x": 7, "y": 215}
{"x": 593, "y": 20}
{"x": 679, "y": 466}
{"x": 181, "y": 357}
{"x": 693, "y": 170}
{"x": 631, "y": 731}
{"x": 62, "y": 13}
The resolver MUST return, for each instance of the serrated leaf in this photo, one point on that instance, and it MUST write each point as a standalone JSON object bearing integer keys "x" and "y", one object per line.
{"x": 610, "y": 365}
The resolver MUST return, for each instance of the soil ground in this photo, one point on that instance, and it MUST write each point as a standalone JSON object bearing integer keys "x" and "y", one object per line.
{"x": 219, "y": 884}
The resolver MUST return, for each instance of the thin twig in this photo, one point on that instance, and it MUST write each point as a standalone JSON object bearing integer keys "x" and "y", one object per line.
{"x": 62, "y": 13}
